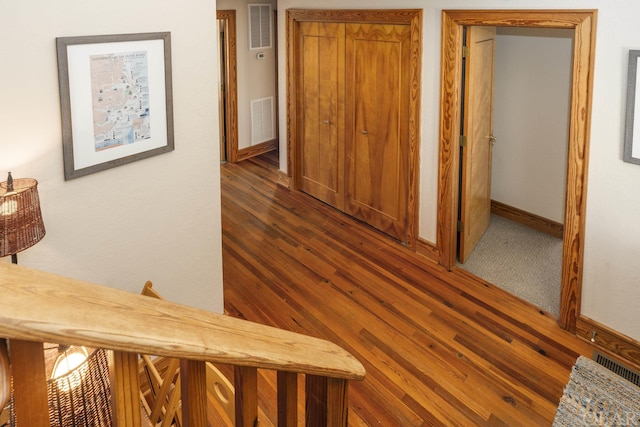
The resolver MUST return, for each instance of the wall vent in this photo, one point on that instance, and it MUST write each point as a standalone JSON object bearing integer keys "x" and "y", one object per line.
{"x": 262, "y": 126}
{"x": 259, "y": 26}
{"x": 617, "y": 368}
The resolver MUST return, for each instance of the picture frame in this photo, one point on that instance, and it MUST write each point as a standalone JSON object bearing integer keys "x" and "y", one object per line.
{"x": 115, "y": 100}
{"x": 631, "y": 152}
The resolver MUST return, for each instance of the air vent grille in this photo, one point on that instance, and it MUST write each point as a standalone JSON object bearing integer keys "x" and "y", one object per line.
{"x": 259, "y": 26}
{"x": 262, "y": 120}
{"x": 617, "y": 368}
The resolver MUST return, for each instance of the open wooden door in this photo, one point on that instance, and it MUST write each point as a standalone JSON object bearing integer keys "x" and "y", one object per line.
{"x": 475, "y": 184}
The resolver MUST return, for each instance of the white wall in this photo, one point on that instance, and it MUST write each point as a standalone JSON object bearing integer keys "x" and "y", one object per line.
{"x": 531, "y": 119}
{"x": 256, "y": 78}
{"x": 611, "y": 282}
{"x": 156, "y": 219}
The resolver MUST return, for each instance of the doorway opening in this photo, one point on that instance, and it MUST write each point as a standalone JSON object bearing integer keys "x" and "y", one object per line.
{"x": 582, "y": 23}
{"x": 516, "y": 242}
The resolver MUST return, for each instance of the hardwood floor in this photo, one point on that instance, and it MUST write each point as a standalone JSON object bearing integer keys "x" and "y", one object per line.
{"x": 440, "y": 348}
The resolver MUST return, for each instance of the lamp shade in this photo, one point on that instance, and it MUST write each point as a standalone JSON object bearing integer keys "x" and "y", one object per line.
{"x": 79, "y": 396}
{"x": 21, "y": 223}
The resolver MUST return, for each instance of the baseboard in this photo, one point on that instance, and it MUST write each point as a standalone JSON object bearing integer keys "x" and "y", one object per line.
{"x": 283, "y": 179}
{"x": 525, "y": 218}
{"x": 428, "y": 250}
{"x": 610, "y": 341}
{"x": 256, "y": 150}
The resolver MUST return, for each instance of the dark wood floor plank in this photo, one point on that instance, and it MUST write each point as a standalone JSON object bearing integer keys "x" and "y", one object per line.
{"x": 440, "y": 347}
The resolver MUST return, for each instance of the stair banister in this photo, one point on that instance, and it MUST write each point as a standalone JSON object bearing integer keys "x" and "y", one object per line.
{"x": 37, "y": 306}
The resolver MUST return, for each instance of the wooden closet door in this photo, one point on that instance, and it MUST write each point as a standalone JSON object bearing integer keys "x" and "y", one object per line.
{"x": 320, "y": 68}
{"x": 377, "y": 125}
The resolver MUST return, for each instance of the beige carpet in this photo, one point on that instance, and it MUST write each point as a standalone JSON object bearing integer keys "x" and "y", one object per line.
{"x": 520, "y": 260}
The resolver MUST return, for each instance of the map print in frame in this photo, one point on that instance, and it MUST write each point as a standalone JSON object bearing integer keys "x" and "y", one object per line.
{"x": 115, "y": 99}
{"x": 120, "y": 95}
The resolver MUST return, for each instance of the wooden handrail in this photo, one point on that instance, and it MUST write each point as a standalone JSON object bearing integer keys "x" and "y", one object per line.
{"x": 37, "y": 306}
{"x": 40, "y": 306}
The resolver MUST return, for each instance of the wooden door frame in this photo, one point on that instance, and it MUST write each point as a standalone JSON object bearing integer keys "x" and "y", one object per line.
{"x": 412, "y": 17}
{"x": 231, "y": 84}
{"x": 583, "y": 22}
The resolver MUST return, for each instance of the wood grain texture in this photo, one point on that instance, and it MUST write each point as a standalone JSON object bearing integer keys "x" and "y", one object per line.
{"x": 256, "y": 150}
{"x": 5, "y": 375}
{"x": 287, "y": 399}
{"x": 321, "y": 77}
{"x": 450, "y": 131}
{"x": 29, "y": 383}
{"x": 383, "y": 16}
{"x": 428, "y": 250}
{"x": 475, "y": 179}
{"x": 35, "y": 306}
{"x": 193, "y": 383}
{"x": 326, "y": 403}
{"x": 576, "y": 197}
{"x": 246, "y": 396}
{"x": 609, "y": 340}
{"x": 377, "y": 125}
{"x": 231, "y": 83}
{"x": 410, "y": 17}
{"x": 583, "y": 23}
{"x": 125, "y": 386}
{"x": 440, "y": 348}
{"x": 534, "y": 221}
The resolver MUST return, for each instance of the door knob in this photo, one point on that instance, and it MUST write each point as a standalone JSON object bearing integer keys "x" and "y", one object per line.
{"x": 364, "y": 132}
{"x": 492, "y": 139}
{"x": 326, "y": 122}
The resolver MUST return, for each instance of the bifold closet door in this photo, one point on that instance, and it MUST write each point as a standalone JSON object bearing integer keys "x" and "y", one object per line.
{"x": 377, "y": 125}
{"x": 320, "y": 68}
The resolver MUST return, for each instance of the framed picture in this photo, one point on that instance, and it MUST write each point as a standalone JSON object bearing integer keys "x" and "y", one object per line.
{"x": 632, "y": 131}
{"x": 115, "y": 98}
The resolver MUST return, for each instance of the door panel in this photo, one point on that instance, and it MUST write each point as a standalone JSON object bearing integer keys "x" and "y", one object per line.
{"x": 321, "y": 119}
{"x": 377, "y": 135}
{"x": 475, "y": 190}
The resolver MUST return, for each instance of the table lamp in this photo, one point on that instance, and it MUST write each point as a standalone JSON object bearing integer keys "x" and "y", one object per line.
{"x": 21, "y": 223}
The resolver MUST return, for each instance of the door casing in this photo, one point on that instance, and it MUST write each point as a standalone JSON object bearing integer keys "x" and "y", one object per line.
{"x": 583, "y": 22}
{"x": 231, "y": 83}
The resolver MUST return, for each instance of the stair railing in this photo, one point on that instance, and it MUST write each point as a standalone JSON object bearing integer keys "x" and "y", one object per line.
{"x": 37, "y": 307}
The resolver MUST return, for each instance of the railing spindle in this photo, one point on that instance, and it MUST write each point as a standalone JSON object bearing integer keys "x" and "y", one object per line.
{"x": 246, "y": 385}
{"x": 337, "y": 402}
{"x": 326, "y": 402}
{"x": 29, "y": 383}
{"x": 287, "y": 399}
{"x": 125, "y": 386}
{"x": 316, "y": 401}
{"x": 193, "y": 382}
{"x": 45, "y": 307}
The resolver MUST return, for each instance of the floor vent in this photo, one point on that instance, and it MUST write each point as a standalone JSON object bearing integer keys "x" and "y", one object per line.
{"x": 618, "y": 368}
